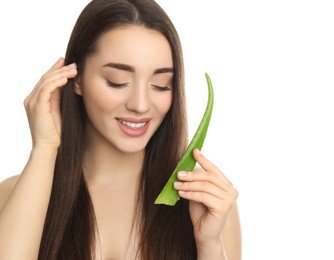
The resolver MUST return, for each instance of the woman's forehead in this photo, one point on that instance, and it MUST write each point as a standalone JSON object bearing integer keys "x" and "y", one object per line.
{"x": 134, "y": 45}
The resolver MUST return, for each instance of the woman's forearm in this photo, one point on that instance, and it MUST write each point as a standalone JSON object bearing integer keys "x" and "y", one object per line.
{"x": 23, "y": 215}
{"x": 215, "y": 252}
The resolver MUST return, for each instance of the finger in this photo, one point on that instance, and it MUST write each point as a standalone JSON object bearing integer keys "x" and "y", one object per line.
{"x": 196, "y": 186}
{"x": 204, "y": 176}
{"x": 60, "y": 62}
{"x": 66, "y": 71}
{"x": 208, "y": 165}
{"x": 42, "y": 96}
{"x": 55, "y": 100}
{"x": 57, "y": 79}
{"x": 45, "y": 94}
{"x": 219, "y": 190}
{"x": 213, "y": 203}
{"x": 57, "y": 70}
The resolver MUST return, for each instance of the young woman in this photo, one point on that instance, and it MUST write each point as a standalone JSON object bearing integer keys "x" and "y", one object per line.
{"x": 108, "y": 126}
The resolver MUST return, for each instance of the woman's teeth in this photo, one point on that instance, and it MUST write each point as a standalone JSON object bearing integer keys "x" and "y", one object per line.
{"x": 131, "y": 124}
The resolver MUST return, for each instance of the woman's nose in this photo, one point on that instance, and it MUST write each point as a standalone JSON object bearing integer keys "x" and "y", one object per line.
{"x": 138, "y": 100}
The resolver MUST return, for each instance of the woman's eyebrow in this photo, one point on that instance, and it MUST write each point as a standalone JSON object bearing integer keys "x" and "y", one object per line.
{"x": 126, "y": 67}
{"x": 120, "y": 66}
{"x": 163, "y": 70}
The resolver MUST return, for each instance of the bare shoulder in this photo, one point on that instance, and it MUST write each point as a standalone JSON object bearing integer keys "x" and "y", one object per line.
{"x": 6, "y": 187}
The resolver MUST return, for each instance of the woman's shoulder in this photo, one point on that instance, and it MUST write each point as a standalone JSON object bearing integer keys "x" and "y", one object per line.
{"x": 6, "y": 187}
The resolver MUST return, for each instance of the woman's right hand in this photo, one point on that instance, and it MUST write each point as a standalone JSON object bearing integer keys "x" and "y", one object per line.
{"x": 43, "y": 105}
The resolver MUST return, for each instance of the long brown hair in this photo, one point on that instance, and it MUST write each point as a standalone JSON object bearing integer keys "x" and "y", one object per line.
{"x": 165, "y": 232}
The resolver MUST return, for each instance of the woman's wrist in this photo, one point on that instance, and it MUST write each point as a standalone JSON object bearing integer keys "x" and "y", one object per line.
{"x": 44, "y": 154}
{"x": 44, "y": 150}
{"x": 211, "y": 251}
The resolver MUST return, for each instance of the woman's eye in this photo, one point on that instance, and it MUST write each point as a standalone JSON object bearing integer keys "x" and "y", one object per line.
{"x": 116, "y": 85}
{"x": 161, "y": 88}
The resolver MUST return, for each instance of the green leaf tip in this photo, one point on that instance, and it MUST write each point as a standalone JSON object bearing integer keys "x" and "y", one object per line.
{"x": 169, "y": 196}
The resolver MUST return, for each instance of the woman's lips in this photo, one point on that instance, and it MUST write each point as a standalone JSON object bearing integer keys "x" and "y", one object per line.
{"x": 133, "y": 127}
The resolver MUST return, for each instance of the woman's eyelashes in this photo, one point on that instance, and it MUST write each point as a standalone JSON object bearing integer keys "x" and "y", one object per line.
{"x": 116, "y": 85}
{"x": 123, "y": 85}
{"x": 161, "y": 88}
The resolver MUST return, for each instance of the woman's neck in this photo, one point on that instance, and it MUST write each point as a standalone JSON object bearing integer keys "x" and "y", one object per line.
{"x": 105, "y": 164}
{"x": 112, "y": 178}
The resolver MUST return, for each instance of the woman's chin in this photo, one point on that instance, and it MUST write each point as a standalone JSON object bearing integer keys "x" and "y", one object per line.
{"x": 132, "y": 147}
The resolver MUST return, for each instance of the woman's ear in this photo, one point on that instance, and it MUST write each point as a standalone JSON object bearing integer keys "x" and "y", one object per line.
{"x": 77, "y": 87}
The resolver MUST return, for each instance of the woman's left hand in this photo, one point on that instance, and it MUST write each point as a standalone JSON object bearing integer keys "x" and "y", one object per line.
{"x": 211, "y": 197}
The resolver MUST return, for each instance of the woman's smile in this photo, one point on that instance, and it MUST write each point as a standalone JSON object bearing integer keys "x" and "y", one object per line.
{"x": 133, "y": 127}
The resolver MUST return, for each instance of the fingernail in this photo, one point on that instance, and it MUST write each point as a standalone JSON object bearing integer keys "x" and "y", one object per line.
{"x": 72, "y": 66}
{"x": 181, "y": 192}
{"x": 177, "y": 184}
{"x": 181, "y": 174}
{"x": 198, "y": 151}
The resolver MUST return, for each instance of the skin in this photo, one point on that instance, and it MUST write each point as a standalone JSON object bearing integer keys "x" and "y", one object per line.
{"x": 113, "y": 159}
{"x": 24, "y": 199}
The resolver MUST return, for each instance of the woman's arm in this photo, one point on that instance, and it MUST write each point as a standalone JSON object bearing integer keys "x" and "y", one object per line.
{"x": 213, "y": 210}
{"x": 23, "y": 208}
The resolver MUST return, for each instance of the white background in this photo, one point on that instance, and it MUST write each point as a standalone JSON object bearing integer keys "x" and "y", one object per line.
{"x": 271, "y": 64}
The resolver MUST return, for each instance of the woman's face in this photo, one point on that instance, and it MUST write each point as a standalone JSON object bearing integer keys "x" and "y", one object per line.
{"x": 127, "y": 87}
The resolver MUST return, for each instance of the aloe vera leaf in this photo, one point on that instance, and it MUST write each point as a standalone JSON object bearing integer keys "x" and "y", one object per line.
{"x": 168, "y": 195}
